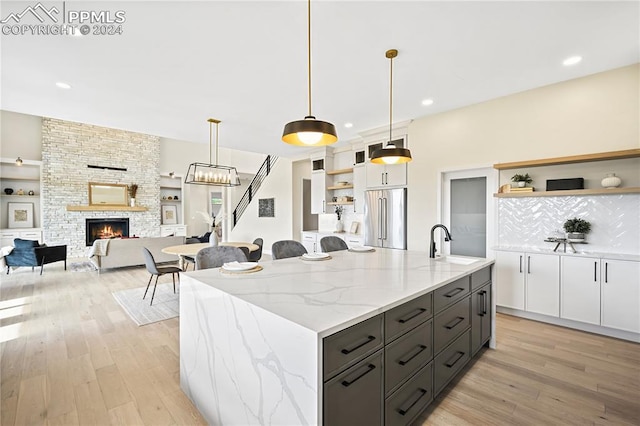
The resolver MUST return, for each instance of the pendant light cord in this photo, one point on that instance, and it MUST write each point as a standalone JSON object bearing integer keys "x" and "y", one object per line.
{"x": 390, "y": 99}
{"x": 309, "y": 51}
{"x": 217, "y": 123}
{"x": 217, "y": 128}
{"x": 210, "y": 141}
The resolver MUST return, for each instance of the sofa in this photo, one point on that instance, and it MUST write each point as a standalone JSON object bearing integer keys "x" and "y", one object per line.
{"x": 32, "y": 253}
{"x": 118, "y": 253}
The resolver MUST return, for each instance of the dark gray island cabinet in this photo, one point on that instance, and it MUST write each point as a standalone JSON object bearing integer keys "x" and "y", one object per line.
{"x": 389, "y": 368}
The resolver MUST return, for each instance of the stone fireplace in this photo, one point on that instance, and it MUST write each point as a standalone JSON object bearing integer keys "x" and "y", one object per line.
{"x": 100, "y": 229}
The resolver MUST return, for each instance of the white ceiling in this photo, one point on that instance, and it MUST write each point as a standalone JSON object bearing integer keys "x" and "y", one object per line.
{"x": 178, "y": 63}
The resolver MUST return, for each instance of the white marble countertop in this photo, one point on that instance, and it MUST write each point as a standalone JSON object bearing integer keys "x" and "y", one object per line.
{"x": 330, "y": 295}
{"x": 580, "y": 253}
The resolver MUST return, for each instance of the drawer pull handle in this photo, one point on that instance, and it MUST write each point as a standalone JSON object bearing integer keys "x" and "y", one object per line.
{"x": 454, "y": 323}
{"x": 458, "y": 356}
{"x": 368, "y": 340}
{"x": 420, "y": 349}
{"x": 420, "y": 312}
{"x": 421, "y": 392}
{"x": 369, "y": 369}
{"x": 484, "y": 304}
{"x": 454, "y": 292}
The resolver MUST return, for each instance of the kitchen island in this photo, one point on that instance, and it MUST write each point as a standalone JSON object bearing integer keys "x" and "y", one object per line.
{"x": 256, "y": 348}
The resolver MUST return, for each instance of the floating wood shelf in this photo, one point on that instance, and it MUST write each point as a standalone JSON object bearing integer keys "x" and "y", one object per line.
{"x": 106, "y": 208}
{"x": 340, "y": 187}
{"x": 602, "y": 191}
{"x": 601, "y": 156}
{"x": 340, "y": 203}
{"x": 340, "y": 171}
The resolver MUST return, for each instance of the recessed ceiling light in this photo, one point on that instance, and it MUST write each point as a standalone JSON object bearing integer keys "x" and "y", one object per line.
{"x": 572, "y": 60}
{"x": 348, "y": 125}
{"x": 427, "y": 102}
{"x": 63, "y": 85}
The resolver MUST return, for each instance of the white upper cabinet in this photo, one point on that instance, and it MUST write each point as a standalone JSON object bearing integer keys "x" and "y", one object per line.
{"x": 386, "y": 175}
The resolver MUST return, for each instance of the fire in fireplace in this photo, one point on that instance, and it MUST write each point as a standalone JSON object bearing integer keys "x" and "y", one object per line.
{"x": 99, "y": 229}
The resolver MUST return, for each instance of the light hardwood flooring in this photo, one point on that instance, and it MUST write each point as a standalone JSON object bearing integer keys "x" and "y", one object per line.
{"x": 77, "y": 358}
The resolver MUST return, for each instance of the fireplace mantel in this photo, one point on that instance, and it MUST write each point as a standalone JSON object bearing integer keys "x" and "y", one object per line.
{"x": 71, "y": 208}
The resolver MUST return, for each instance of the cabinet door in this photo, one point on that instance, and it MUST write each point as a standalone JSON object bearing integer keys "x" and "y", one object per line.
{"x": 543, "y": 284}
{"x": 375, "y": 175}
{"x": 510, "y": 279}
{"x": 395, "y": 175}
{"x": 480, "y": 317}
{"x": 580, "y": 289}
{"x": 318, "y": 192}
{"x": 359, "y": 186}
{"x": 309, "y": 241}
{"x": 621, "y": 294}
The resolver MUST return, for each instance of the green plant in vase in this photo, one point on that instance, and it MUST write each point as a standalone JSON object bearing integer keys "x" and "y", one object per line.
{"x": 521, "y": 180}
{"x": 576, "y": 229}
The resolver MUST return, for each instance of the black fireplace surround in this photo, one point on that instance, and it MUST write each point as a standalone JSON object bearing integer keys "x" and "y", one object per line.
{"x": 99, "y": 229}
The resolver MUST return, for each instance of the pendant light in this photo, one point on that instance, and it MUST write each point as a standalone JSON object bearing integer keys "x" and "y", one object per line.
{"x": 309, "y": 131}
{"x": 212, "y": 174}
{"x": 390, "y": 154}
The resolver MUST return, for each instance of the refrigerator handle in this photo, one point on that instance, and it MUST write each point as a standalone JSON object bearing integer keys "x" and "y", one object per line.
{"x": 386, "y": 222}
{"x": 379, "y": 218}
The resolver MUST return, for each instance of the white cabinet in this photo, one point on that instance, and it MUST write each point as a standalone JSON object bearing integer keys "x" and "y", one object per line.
{"x": 310, "y": 241}
{"x": 359, "y": 186}
{"x": 173, "y": 230}
{"x": 353, "y": 240}
{"x": 319, "y": 184}
{"x": 580, "y": 289}
{"x": 171, "y": 194}
{"x": 510, "y": 279}
{"x": 7, "y": 236}
{"x": 542, "y": 283}
{"x": 527, "y": 281}
{"x": 620, "y": 294}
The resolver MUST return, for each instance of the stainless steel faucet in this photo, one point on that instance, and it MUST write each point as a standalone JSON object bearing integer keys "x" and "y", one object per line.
{"x": 432, "y": 244}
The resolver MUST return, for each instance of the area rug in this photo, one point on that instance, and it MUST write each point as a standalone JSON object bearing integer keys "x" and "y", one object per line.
{"x": 82, "y": 267}
{"x": 165, "y": 304}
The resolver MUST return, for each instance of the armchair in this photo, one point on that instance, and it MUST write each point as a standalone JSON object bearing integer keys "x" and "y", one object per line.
{"x": 30, "y": 253}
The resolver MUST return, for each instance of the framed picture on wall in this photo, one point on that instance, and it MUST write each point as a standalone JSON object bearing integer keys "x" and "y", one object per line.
{"x": 266, "y": 207}
{"x": 169, "y": 215}
{"x": 20, "y": 215}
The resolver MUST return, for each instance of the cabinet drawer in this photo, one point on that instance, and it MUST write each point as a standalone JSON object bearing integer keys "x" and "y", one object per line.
{"x": 449, "y": 324}
{"x": 480, "y": 277}
{"x": 345, "y": 348}
{"x": 309, "y": 237}
{"x": 400, "y": 319}
{"x": 407, "y": 403}
{"x": 450, "y": 361}
{"x": 407, "y": 355}
{"x": 451, "y": 293}
{"x": 355, "y": 396}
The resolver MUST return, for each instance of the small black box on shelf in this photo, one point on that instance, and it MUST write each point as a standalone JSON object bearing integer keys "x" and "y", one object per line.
{"x": 565, "y": 184}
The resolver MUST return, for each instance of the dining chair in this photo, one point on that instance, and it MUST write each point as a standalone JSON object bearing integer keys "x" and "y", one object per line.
{"x": 332, "y": 243}
{"x": 153, "y": 269}
{"x": 246, "y": 251}
{"x": 214, "y": 257}
{"x": 287, "y": 248}
{"x": 256, "y": 255}
{"x": 190, "y": 259}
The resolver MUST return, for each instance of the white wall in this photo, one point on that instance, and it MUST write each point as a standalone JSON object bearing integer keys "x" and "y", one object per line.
{"x": 593, "y": 114}
{"x": 277, "y": 185}
{"x": 20, "y": 136}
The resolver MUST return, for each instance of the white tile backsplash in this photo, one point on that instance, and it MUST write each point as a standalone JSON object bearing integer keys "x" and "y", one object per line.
{"x": 615, "y": 221}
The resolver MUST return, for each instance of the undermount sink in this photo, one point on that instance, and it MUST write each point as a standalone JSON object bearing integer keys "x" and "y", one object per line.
{"x": 458, "y": 260}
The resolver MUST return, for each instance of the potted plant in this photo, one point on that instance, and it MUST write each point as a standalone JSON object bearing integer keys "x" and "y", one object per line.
{"x": 133, "y": 190}
{"x": 339, "y": 224}
{"x": 576, "y": 229}
{"x": 522, "y": 180}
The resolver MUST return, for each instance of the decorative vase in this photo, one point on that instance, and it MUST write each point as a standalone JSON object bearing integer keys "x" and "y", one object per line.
{"x": 8, "y": 191}
{"x": 339, "y": 226}
{"x": 522, "y": 184}
{"x": 132, "y": 202}
{"x": 611, "y": 181}
{"x": 213, "y": 238}
{"x": 575, "y": 236}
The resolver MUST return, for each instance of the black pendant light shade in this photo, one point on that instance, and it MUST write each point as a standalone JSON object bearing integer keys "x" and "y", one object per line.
{"x": 309, "y": 132}
{"x": 209, "y": 173}
{"x": 390, "y": 154}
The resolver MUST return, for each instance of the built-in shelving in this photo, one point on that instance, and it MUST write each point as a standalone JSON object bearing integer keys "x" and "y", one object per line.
{"x": 601, "y": 156}
{"x": 600, "y": 191}
{"x": 340, "y": 171}
{"x": 106, "y": 208}
{"x": 340, "y": 203}
{"x": 340, "y": 186}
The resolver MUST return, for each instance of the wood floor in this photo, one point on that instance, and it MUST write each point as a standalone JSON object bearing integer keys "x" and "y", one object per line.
{"x": 72, "y": 356}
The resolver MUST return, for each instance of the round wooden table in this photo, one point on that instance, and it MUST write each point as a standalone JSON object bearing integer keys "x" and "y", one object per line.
{"x": 191, "y": 250}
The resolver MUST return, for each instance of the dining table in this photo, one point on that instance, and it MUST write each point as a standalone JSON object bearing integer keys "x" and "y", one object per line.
{"x": 191, "y": 250}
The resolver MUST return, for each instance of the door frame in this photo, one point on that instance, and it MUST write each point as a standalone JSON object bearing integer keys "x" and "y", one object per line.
{"x": 444, "y": 206}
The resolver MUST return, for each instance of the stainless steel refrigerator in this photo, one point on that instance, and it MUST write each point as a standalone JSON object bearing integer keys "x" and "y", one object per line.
{"x": 385, "y": 218}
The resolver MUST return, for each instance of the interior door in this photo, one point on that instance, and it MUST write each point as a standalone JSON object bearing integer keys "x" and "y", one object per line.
{"x": 468, "y": 212}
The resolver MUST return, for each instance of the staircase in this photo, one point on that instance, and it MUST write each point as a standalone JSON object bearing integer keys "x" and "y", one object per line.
{"x": 252, "y": 190}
